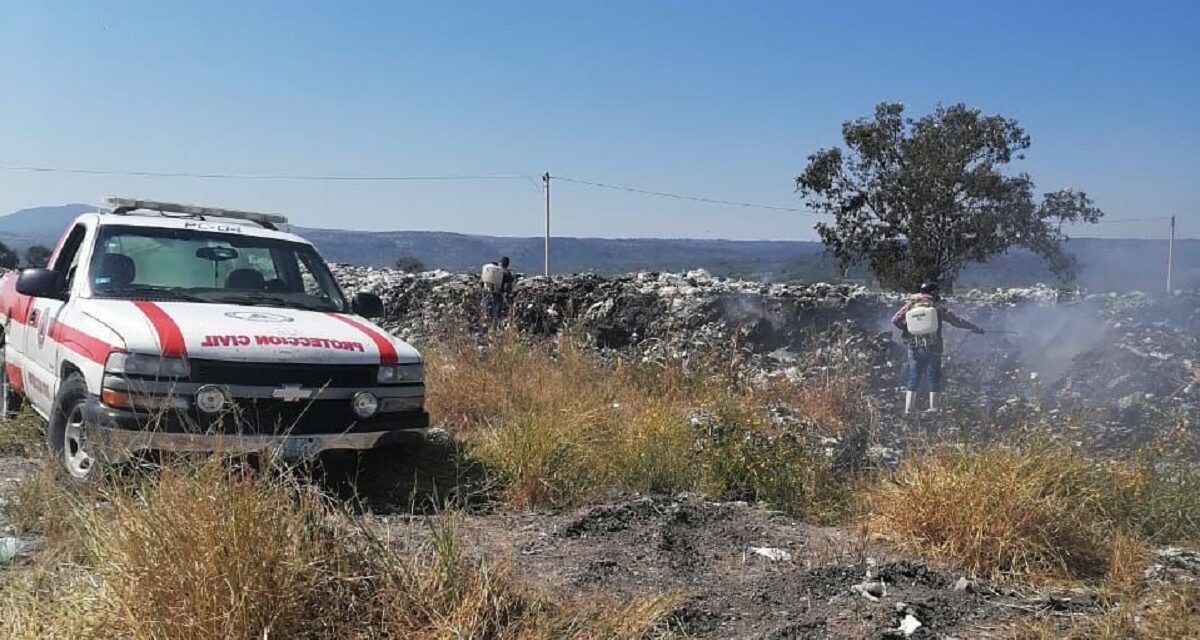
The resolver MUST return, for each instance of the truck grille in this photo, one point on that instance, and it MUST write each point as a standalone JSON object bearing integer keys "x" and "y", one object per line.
{"x": 275, "y": 374}
{"x": 298, "y": 418}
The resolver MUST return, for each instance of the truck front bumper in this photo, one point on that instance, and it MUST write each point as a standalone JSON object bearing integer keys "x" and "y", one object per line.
{"x": 117, "y": 435}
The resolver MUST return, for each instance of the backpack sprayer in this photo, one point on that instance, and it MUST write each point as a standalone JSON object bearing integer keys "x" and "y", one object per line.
{"x": 922, "y": 323}
{"x": 492, "y": 276}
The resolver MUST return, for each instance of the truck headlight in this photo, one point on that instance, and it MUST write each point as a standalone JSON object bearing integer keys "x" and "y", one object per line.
{"x": 402, "y": 373}
{"x": 145, "y": 365}
{"x": 210, "y": 399}
{"x": 365, "y": 404}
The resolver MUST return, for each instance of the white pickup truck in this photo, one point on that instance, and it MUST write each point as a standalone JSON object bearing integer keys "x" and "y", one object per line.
{"x": 160, "y": 326}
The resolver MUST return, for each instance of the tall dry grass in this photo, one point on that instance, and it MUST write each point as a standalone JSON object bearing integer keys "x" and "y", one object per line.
{"x": 559, "y": 425}
{"x": 211, "y": 551}
{"x": 1036, "y": 510}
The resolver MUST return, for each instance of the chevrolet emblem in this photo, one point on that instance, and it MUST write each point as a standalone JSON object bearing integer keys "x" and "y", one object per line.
{"x": 292, "y": 393}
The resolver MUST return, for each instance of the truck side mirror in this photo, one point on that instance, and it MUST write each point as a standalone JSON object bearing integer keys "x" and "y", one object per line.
{"x": 367, "y": 305}
{"x": 41, "y": 283}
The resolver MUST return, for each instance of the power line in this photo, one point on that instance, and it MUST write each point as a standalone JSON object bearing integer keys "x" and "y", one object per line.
{"x": 664, "y": 194}
{"x": 440, "y": 178}
{"x": 1121, "y": 220}
{"x": 237, "y": 176}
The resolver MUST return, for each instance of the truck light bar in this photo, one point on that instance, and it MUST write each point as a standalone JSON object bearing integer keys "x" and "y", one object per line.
{"x": 123, "y": 206}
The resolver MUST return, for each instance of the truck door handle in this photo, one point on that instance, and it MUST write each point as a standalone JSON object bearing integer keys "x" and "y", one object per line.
{"x": 33, "y": 316}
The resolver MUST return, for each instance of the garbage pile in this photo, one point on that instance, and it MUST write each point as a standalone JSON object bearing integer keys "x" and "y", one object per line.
{"x": 1123, "y": 360}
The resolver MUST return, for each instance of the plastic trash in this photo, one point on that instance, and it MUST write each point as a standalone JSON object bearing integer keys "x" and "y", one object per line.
{"x": 9, "y": 548}
{"x": 777, "y": 555}
{"x": 909, "y": 625}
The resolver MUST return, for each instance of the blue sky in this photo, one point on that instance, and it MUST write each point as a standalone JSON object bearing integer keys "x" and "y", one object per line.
{"x": 718, "y": 99}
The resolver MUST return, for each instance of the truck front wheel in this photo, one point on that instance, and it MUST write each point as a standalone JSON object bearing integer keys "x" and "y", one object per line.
{"x": 67, "y": 435}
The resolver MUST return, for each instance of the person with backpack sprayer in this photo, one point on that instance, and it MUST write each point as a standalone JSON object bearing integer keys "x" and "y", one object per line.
{"x": 920, "y": 321}
{"x": 497, "y": 288}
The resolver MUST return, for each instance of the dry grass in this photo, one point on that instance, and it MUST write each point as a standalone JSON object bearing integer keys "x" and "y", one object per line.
{"x": 998, "y": 510}
{"x": 1129, "y": 557}
{"x": 22, "y": 435}
{"x": 214, "y": 552}
{"x": 1157, "y": 490}
{"x": 1167, "y": 613}
{"x": 829, "y": 402}
{"x": 1037, "y": 511}
{"x": 560, "y": 426}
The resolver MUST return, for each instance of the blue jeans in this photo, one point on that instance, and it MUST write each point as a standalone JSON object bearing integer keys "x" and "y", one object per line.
{"x": 924, "y": 363}
{"x": 495, "y": 307}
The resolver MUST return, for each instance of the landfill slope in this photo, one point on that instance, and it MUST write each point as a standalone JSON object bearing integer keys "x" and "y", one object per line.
{"x": 1121, "y": 364}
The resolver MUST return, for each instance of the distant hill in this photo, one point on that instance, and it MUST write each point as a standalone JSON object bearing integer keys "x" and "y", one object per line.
{"x": 40, "y": 225}
{"x": 466, "y": 252}
{"x": 1105, "y": 264}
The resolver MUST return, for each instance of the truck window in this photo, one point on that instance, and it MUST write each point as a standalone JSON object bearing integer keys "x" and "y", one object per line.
{"x": 67, "y": 260}
{"x": 212, "y": 267}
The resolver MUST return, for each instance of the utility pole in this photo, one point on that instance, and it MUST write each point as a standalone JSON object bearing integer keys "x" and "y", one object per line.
{"x": 1171, "y": 255}
{"x": 546, "y": 182}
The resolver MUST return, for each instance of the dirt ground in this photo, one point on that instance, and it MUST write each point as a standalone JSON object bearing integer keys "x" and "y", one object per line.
{"x": 14, "y": 468}
{"x": 712, "y": 557}
{"x": 704, "y": 553}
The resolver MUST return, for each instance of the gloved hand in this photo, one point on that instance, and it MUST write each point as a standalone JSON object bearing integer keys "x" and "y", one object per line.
{"x": 979, "y": 331}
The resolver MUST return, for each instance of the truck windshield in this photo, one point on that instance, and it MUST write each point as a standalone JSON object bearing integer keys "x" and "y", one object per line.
{"x": 194, "y": 266}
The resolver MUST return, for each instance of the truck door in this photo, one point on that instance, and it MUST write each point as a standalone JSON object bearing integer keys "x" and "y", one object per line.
{"x": 41, "y": 348}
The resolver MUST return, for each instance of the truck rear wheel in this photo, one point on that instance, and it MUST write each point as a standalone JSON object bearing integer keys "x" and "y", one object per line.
{"x": 10, "y": 400}
{"x": 67, "y": 435}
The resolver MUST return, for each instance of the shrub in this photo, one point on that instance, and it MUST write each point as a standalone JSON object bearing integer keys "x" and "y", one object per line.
{"x": 561, "y": 425}
{"x": 409, "y": 264}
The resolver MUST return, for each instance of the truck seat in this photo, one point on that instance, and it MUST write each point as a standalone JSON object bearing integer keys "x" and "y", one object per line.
{"x": 115, "y": 272}
{"x": 246, "y": 280}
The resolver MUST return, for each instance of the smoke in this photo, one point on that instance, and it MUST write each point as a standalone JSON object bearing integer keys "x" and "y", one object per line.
{"x": 746, "y": 309}
{"x": 1049, "y": 338}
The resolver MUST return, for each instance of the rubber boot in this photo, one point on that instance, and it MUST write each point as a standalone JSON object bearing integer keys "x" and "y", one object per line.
{"x": 934, "y": 401}
{"x": 910, "y": 398}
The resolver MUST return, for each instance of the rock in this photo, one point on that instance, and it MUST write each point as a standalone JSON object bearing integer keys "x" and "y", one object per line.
{"x": 1174, "y": 565}
{"x": 962, "y": 585}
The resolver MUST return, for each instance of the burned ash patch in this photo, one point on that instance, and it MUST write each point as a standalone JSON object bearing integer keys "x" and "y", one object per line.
{"x": 744, "y": 572}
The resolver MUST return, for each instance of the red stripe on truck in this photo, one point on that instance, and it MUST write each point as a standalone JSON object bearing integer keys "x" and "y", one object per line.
{"x": 170, "y": 338}
{"x": 387, "y": 351}
{"x": 15, "y": 305}
{"x": 93, "y": 349}
{"x": 15, "y": 379}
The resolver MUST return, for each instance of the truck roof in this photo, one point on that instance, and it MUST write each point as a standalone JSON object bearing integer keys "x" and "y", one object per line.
{"x": 209, "y": 224}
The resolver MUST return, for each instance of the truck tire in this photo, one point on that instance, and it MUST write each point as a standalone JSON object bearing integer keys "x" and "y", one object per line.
{"x": 67, "y": 434}
{"x": 10, "y": 400}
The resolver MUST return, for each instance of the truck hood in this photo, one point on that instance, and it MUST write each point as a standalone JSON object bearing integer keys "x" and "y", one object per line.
{"x": 248, "y": 334}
